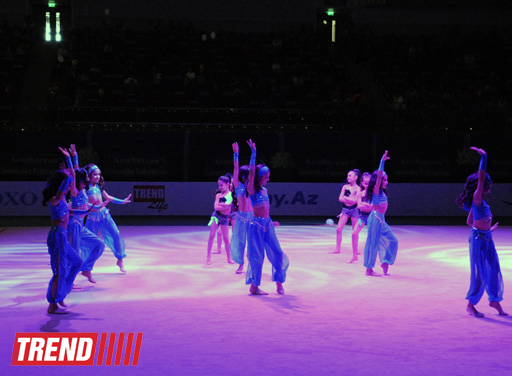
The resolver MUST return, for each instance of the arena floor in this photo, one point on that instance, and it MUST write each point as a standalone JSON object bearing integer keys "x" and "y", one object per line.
{"x": 332, "y": 320}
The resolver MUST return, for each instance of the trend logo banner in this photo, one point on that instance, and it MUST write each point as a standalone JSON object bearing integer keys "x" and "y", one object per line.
{"x": 75, "y": 349}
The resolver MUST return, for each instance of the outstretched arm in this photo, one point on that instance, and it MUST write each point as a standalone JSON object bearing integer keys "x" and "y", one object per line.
{"x": 236, "y": 165}
{"x": 252, "y": 168}
{"x": 117, "y": 201}
{"x": 479, "y": 192}
{"x": 380, "y": 172}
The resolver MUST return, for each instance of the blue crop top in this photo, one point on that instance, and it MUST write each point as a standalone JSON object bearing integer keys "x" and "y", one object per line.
{"x": 240, "y": 190}
{"x": 93, "y": 190}
{"x": 80, "y": 199}
{"x": 59, "y": 211}
{"x": 481, "y": 212}
{"x": 379, "y": 199}
{"x": 259, "y": 197}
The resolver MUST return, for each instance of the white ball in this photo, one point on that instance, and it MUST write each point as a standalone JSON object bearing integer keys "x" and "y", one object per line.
{"x": 329, "y": 222}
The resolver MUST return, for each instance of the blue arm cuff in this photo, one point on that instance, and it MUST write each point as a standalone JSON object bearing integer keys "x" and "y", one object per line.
{"x": 75, "y": 161}
{"x": 235, "y": 157}
{"x": 68, "y": 162}
{"x": 118, "y": 201}
{"x": 65, "y": 183}
{"x": 483, "y": 163}
{"x": 381, "y": 165}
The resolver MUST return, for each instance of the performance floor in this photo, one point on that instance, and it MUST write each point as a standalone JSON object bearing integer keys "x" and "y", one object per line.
{"x": 332, "y": 320}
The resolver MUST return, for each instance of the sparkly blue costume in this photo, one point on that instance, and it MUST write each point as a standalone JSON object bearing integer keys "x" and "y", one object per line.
{"x": 380, "y": 239}
{"x": 102, "y": 220}
{"x": 65, "y": 262}
{"x": 85, "y": 243}
{"x": 262, "y": 238}
{"x": 239, "y": 237}
{"x": 484, "y": 261}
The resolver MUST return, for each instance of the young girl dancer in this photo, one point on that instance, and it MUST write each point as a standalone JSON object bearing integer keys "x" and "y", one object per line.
{"x": 365, "y": 207}
{"x": 102, "y": 220}
{"x": 85, "y": 243}
{"x": 65, "y": 262}
{"x": 348, "y": 197}
{"x": 222, "y": 209}
{"x": 484, "y": 262}
{"x": 244, "y": 215}
{"x": 381, "y": 239}
{"x": 261, "y": 236}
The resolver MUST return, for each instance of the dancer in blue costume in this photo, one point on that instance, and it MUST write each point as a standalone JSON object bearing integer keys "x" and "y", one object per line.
{"x": 483, "y": 258}
{"x": 65, "y": 262}
{"x": 261, "y": 236}
{"x": 365, "y": 208}
{"x": 244, "y": 214}
{"x": 222, "y": 208}
{"x": 89, "y": 246}
{"x": 381, "y": 239}
{"x": 102, "y": 220}
{"x": 348, "y": 197}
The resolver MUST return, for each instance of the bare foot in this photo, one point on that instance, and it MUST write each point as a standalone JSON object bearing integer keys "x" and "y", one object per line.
{"x": 240, "y": 269}
{"x": 88, "y": 275}
{"x": 255, "y": 290}
{"x": 385, "y": 267}
{"x": 230, "y": 261}
{"x": 120, "y": 264}
{"x": 371, "y": 273}
{"x": 208, "y": 261}
{"x": 334, "y": 252}
{"x": 352, "y": 260}
{"x": 217, "y": 252}
{"x": 280, "y": 288}
{"x": 497, "y": 306}
{"x": 472, "y": 310}
{"x": 53, "y": 309}
{"x": 76, "y": 287}
{"x": 62, "y": 304}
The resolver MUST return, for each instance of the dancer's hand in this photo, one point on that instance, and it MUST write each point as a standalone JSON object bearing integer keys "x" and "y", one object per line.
{"x": 235, "y": 147}
{"x": 495, "y": 226}
{"x": 252, "y": 145}
{"x": 127, "y": 199}
{"x": 479, "y": 151}
{"x": 385, "y": 156}
{"x": 72, "y": 149}
{"x": 64, "y": 151}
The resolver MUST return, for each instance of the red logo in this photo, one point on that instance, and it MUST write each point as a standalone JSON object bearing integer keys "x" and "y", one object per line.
{"x": 75, "y": 349}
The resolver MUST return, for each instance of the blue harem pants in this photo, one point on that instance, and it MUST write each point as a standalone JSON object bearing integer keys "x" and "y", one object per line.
{"x": 85, "y": 243}
{"x": 65, "y": 263}
{"x": 380, "y": 240}
{"x": 239, "y": 237}
{"x": 261, "y": 239}
{"x": 485, "y": 268}
{"x": 102, "y": 221}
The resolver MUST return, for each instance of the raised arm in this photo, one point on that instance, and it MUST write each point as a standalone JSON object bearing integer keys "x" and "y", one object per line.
{"x": 252, "y": 167}
{"x": 236, "y": 165}
{"x": 69, "y": 180}
{"x": 380, "y": 172}
{"x": 74, "y": 155}
{"x": 478, "y": 195}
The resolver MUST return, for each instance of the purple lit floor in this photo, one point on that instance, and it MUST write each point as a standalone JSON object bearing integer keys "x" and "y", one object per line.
{"x": 333, "y": 320}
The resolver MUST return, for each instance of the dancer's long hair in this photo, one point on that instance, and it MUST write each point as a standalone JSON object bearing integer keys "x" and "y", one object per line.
{"x": 257, "y": 184}
{"x": 365, "y": 197}
{"x": 465, "y": 199}
{"x": 52, "y": 185}
{"x": 371, "y": 185}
